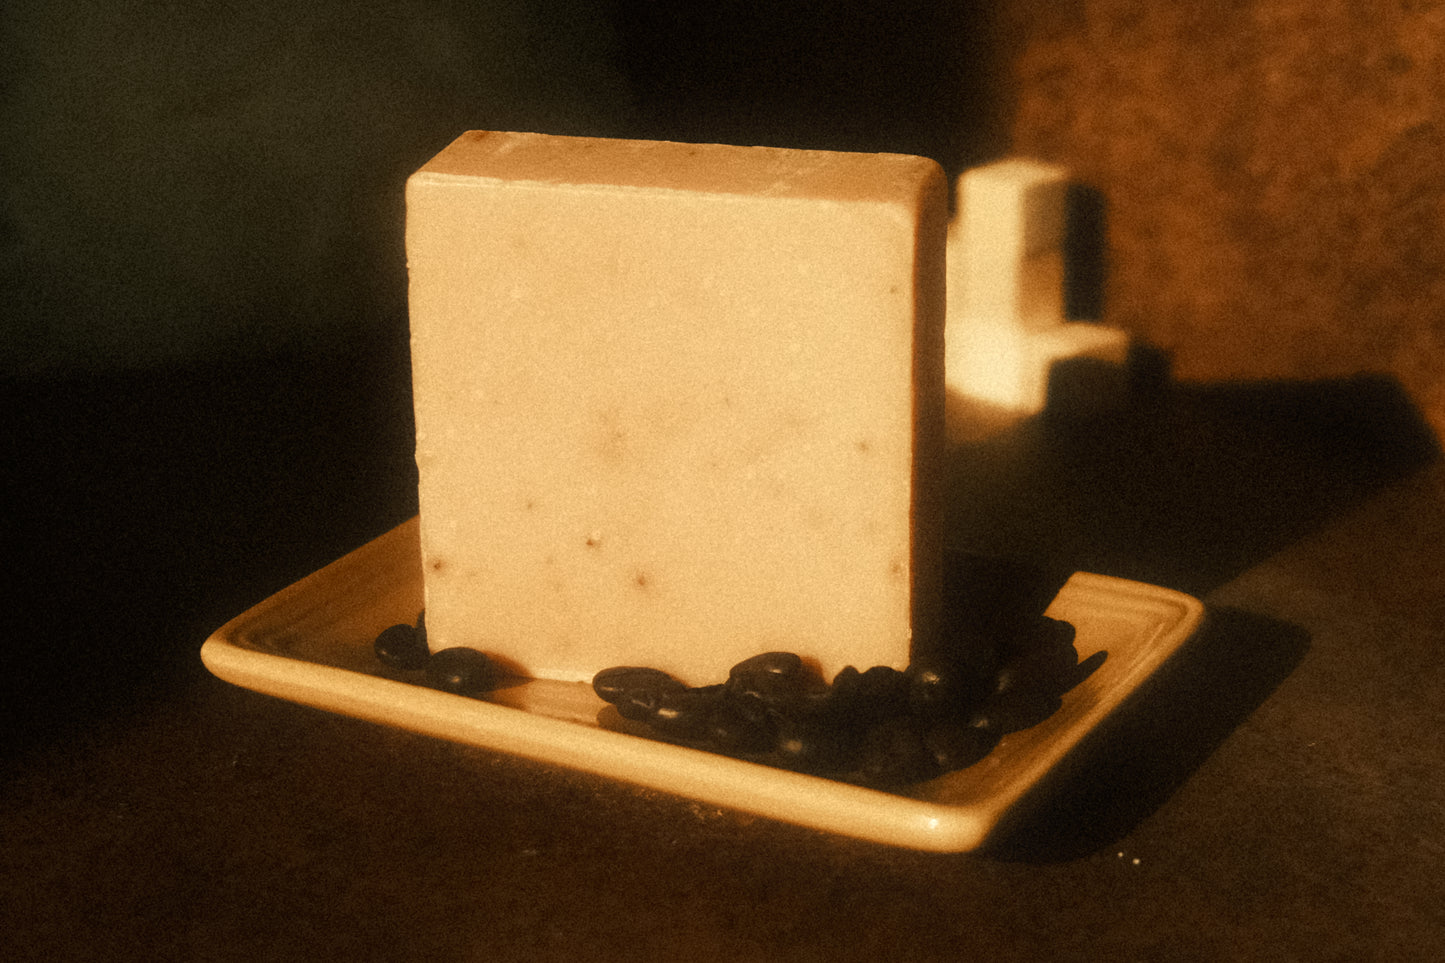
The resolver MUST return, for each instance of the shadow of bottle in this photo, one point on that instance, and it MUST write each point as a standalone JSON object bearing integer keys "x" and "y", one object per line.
{"x": 1184, "y": 485}
{"x": 1130, "y": 766}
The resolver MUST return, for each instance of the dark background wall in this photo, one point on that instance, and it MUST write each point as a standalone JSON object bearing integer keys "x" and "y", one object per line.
{"x": 189, "y": 180}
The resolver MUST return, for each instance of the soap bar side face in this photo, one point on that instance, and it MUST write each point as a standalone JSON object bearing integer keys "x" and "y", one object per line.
{"x": 677, "y": 424}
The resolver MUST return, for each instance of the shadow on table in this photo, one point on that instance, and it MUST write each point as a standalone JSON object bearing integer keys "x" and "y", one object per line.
{"x": 1128, "y": 767}
{"x": 150, "y": 507}
{"x": 1186, "y": 486}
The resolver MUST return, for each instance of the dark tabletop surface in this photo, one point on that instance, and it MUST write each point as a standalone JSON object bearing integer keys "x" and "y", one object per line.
{"x": 1275, "y": 793}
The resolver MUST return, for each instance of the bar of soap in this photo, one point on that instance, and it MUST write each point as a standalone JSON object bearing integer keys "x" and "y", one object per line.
{"x": 677, "y": 404}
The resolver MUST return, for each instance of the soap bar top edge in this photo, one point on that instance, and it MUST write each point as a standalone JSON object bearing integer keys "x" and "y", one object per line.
{"x": 519, "y": 158}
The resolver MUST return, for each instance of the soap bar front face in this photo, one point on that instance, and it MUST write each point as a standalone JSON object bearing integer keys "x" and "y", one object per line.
{"x": 676, "y": 404}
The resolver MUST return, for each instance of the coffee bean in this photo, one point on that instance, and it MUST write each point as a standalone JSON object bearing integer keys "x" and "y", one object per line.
{"x": 886, "y": 727}
{"x": 461, "y": 671}
{"x": 732, "y": 731}
{"x": 815, "y": 747}
{"x": 640, "y": 705}
{"x": 1048, "y": 669}
{"x": 769, "y": 672}
{"x": 685, "y": 712}
{"x": 1016, "y": 709}
{"x": 940, "y": 690}
{"x": 1040, "y": 632}
{"x": 893, "y": 753}
{"x": 957, "y": 743}
{"x": 769, "y": 663}
{"x": 401, "y": 647}
{"x": 863, "y": 698}
{"x": 613, "y": 685}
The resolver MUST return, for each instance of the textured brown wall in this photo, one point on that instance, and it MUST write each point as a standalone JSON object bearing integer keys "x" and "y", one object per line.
{"x": 1273, "y": 170}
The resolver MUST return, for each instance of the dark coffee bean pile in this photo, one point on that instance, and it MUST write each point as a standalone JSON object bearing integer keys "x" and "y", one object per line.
{"x": 459, "y": 670}
{"x": 880, "y": 726}
{"x": 1000, "y": 666}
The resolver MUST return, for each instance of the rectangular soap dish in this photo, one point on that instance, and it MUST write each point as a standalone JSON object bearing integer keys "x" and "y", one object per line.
{"x": 311, "y": 643}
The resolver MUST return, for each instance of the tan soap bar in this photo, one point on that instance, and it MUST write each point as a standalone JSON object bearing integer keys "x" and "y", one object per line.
{"x": 676, "y": 404}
